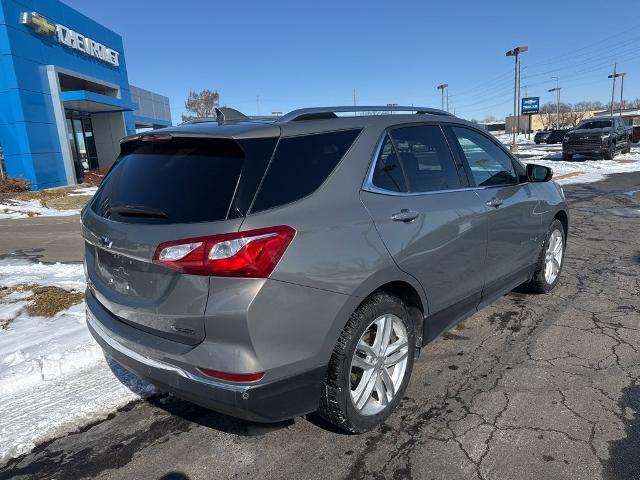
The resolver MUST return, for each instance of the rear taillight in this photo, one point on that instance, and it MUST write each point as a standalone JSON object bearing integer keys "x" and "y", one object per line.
{"x": 250, "y": 254}
{"x": 232, "y": 377}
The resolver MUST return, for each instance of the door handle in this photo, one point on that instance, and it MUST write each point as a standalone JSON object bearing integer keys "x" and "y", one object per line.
{"x": 405, "y": 215}
{"x": 494, "y": 202}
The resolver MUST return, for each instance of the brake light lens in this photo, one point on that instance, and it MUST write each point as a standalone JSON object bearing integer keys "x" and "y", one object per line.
{"x": 232, "y": 377}
{"x": 250, "y": 254}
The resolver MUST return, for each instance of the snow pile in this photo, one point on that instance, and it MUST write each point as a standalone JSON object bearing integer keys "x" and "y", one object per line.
{"x": 14, "y": 208}
{"x": 581, "y": 170}
{"x": 53, "y": 376}
{"x": 30, "y": 208}
{"x": 84, "y": 191}
{"x": 521, "y": 138}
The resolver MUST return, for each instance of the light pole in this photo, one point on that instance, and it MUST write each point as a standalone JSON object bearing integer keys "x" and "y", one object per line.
{"x": 622, "y": 74}
{"x": 515, "y": 52}
{"x": 442, "y": 87}
{"x": 557, "y": 90}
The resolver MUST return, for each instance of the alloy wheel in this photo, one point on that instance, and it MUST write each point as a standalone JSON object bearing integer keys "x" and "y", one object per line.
{"x": 553, "y": 257}
{"x": 378, "y": 364}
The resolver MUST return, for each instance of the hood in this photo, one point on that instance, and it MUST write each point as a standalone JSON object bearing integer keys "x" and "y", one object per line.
{"x": 591, "y": 131}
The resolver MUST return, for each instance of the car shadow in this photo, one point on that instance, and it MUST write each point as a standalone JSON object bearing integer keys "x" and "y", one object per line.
{"x": 624, "y": 461}
{"x": 191, "y": 412}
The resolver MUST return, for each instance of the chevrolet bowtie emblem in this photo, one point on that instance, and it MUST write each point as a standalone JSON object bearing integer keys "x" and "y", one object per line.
{"x": 39, "y": 23}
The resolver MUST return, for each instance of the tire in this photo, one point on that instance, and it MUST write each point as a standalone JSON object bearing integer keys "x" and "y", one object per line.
{"x": 627, "y": 149}
{"x": 609, "y": 154}
{"x": 540, "y": 283}
{"x": 336, "y": 403}
{"x": 567, "y": 157}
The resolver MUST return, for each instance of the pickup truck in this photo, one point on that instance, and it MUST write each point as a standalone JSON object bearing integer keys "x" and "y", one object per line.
{"x": 603, "y": 136}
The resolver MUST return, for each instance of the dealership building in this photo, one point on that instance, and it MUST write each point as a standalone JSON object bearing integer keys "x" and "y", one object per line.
{"x": 65, "y": 97}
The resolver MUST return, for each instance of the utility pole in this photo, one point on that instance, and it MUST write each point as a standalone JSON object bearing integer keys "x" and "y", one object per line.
{"x": 442, "y": 87}
{"x": 622, "y": 74}
{"x": 515, "y": 52}
{"x": 354, "y": 97}
{"x": 557, "y": 90}
{"x": 614, "y": 75}
{"x": 526, "y": 94}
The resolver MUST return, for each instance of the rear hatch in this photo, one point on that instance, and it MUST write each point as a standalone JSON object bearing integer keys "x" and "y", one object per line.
{"x": 165, "y": 188}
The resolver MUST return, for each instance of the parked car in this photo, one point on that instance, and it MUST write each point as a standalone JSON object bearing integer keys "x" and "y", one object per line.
{"x": 268, "y": 270}
{"x": 541, "y": 136}
{"x": 635, "y": 134}
{"x": 597, "y": 137}
{"x": 556, "y": 136}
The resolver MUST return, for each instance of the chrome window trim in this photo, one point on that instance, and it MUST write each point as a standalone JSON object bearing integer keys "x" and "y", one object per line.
{"x": 368, "y": 185}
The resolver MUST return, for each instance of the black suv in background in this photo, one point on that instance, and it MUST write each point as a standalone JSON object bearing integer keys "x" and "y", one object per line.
{"x": 541, "y": 136}
{"x": 556, "y": 136}
{"x": 597, "y": 137}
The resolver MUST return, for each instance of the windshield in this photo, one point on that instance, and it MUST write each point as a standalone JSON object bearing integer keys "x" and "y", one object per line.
{"x": 595, "y": 124}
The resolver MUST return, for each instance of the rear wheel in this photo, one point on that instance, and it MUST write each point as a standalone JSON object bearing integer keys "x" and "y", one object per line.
{"x": 549, "y": 266}
{"x": 370, "y": 365}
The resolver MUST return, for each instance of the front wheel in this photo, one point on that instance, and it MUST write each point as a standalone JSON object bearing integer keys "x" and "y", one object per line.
{"x": 609, "y": 154}
{"x": 370, "y": 365}
{"x": 549, "y": 266}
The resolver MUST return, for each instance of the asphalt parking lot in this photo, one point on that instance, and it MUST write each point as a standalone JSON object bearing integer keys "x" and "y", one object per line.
{"x": 536, "y": 387}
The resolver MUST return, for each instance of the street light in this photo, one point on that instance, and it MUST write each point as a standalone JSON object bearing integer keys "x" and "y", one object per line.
{"x": 557, "y": 90}
{"x": 515, "y": 52}
{"x": 442, "y": 87}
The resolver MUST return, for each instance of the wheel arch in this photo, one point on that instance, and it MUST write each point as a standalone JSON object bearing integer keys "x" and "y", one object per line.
{"x": 562, "y": 216}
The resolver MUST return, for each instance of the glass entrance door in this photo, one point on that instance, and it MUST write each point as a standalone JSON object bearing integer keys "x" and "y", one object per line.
{"x": 82, "y": 143}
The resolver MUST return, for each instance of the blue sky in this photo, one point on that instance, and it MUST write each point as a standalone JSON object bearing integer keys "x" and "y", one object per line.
{"x": 287, "y": 54}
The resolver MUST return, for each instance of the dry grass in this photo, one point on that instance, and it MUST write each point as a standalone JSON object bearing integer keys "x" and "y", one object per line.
{"x": 47, "y": 301}
{"x": 44, "y": 301}
{"x": 567, "y": 175}
{"x": 58, "y": 198}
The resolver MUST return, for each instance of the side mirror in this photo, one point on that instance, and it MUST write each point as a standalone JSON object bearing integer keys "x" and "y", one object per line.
{"x": 538, "y": 173}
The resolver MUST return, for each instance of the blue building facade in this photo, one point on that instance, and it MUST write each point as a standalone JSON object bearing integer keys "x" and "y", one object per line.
{"x": 65, "y": 98}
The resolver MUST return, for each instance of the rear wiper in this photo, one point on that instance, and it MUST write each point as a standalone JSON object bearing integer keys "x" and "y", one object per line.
{"x": 136, "y": 211}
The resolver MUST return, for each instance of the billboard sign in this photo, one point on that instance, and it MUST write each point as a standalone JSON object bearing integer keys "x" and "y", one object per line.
{"x": 530, "y": 105}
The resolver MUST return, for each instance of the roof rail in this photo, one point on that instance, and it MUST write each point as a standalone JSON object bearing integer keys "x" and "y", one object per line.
{"x": 320, "y": 113}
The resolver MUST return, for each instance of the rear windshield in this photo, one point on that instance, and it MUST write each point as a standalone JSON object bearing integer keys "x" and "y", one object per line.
{"x": 300, "y": 165}
{"x": 184, "y": 180}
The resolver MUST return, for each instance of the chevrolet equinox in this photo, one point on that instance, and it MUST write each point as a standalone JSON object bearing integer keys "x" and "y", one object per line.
{"x": 271, "y": 268}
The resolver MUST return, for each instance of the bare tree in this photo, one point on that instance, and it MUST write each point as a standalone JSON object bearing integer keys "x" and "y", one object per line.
{"x": 201, "y": 104}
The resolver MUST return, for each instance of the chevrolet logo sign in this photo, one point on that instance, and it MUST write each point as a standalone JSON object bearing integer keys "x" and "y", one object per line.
{"x": 39, "y": 23}
{"x": 529, "y": 101}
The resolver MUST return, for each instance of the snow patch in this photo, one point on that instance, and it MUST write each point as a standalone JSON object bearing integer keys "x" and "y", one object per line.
{"x": 53, "y": 375}
{"x": 25, "y": 208}
{"x": 581, "y": 169}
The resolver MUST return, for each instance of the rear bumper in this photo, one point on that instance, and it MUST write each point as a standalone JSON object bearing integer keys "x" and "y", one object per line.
{"x": 268, "y": 402}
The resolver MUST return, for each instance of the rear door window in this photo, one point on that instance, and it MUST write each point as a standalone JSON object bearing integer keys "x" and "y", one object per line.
{"x": 388, "y": 173}
{"x": 426, "y": 158}
{"x": 300, "y": 165}
{"x": 183, "y": 180}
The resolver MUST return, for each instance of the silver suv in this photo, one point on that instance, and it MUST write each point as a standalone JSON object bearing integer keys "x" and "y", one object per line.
{"x": 268, "y": 269}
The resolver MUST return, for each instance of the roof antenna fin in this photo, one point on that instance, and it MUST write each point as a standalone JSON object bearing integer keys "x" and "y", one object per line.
{"x": 226, "y": 114}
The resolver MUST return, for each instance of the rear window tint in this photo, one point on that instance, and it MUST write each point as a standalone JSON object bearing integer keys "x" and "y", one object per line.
{"x": 184, "y": 181}
{"x": 300, "y": 165}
